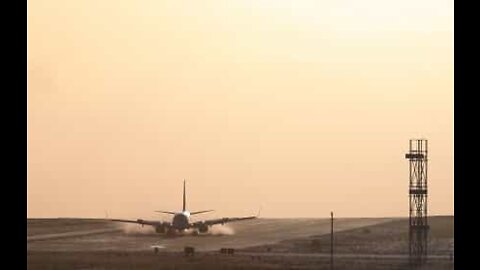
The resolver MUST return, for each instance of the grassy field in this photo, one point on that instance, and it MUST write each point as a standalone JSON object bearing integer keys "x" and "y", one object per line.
{"x": 389, "y": 237}
{"x": 385, "y": 238}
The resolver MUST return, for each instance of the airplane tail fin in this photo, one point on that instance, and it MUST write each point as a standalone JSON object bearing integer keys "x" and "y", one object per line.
{"x": 200, "y": 212}
{"x": 184, "y": 196}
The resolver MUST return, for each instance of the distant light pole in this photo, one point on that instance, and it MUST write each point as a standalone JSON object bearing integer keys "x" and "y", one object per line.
{"x": 331, "y": 241}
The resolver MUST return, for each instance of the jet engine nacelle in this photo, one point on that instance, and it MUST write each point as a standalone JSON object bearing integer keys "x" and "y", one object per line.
{"x": 203, "y": 229}
{"x": 160, "y": 229}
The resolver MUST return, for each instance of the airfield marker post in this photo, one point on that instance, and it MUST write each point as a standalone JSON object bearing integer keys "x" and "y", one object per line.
{"x": 331, "y": 240}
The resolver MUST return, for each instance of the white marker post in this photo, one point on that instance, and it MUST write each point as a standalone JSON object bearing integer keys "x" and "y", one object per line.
{"x": 331, "y": 241}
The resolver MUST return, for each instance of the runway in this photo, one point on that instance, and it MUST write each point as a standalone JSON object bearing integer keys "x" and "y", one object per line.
{"x": 69, "y": 234}
{"x": 116, "y": 237}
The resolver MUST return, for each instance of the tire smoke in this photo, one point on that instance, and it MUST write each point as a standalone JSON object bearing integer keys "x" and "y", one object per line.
{"x": 134, "y": 229}
{"x": 221, "y": 230}
{"x": 217, "y": 230}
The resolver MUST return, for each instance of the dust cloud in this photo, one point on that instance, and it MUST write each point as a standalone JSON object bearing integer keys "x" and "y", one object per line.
{"x": 135, "y": 229}
{"x": 221, "y": 230}
{"x": 214, "y": 230}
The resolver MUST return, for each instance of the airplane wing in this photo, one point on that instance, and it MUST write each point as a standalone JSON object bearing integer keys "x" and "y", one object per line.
{"x": 153, "y": 223}
{"x": 222, "y": 221}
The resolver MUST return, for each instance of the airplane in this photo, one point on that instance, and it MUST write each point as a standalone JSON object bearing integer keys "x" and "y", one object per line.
{"x": 181, "y": 220}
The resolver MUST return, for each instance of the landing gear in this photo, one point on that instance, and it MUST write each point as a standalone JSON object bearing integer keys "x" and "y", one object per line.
{"x": 171, "y": 232}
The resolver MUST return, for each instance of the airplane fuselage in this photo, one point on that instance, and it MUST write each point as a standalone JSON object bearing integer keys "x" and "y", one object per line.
{"x": 181, "y": 221}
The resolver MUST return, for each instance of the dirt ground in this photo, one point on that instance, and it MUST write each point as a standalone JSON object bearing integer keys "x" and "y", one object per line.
{"x": 175, "y": 260}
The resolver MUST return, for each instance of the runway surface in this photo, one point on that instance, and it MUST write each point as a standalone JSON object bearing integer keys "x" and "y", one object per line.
{"x": 69, "y": 234}
{"x": 131, "y": 237}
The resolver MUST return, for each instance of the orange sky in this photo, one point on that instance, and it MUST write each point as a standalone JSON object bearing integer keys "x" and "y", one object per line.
{"x": 302, "y": 107}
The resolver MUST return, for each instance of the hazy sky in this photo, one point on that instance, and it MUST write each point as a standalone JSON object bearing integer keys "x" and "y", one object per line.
{"x": 302, "y": 107}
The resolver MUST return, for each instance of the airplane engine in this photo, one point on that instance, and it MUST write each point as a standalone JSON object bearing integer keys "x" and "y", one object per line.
{"x": 203, "y": 229}
{"x": 160, "y": 229}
